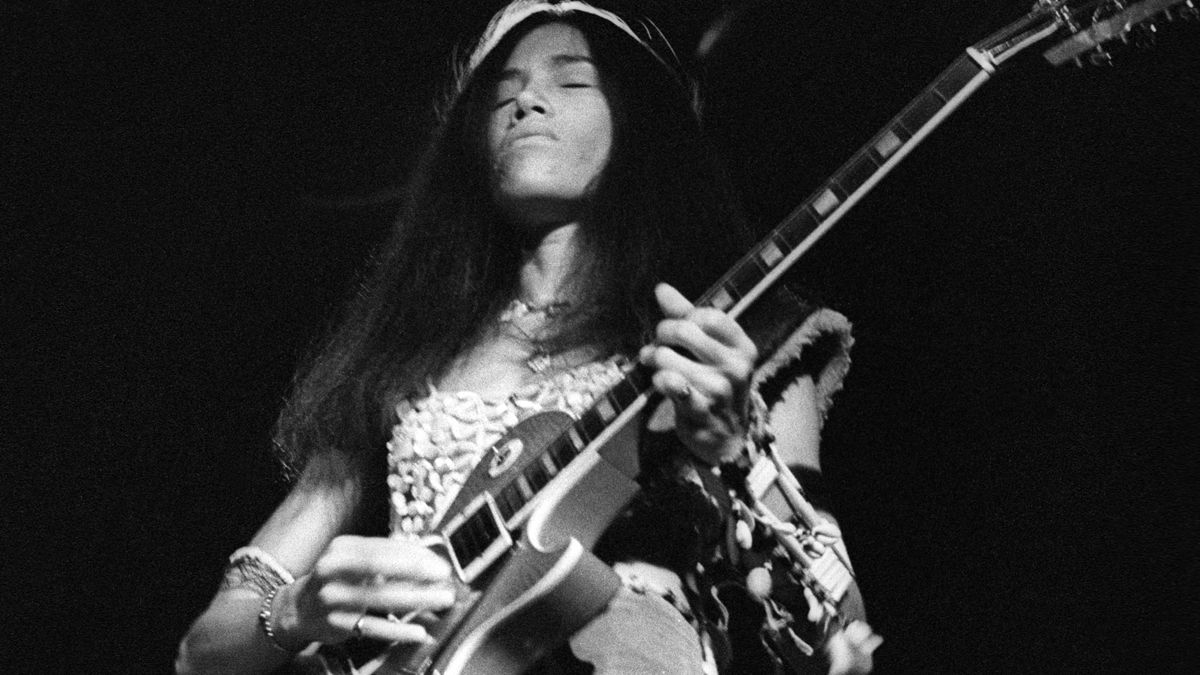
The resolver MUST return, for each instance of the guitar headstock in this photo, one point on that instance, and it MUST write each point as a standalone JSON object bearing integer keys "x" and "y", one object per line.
{"x": 1082, "y": 29}
{"x": 1130, "y": 23}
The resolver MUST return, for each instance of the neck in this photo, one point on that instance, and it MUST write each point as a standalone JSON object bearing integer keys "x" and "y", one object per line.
{"x": 547, "y": 266}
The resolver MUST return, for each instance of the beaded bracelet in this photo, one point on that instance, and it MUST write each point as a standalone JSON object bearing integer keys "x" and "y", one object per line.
{"x": 253, "y": 567}
{"x": 264, "y": 620}
{"x": 257, "y": 568}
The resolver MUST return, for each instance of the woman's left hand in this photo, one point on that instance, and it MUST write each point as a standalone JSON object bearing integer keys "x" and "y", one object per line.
{"x": 702, "y": 361}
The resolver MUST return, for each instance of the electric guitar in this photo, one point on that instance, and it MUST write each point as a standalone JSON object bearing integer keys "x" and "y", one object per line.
{"x": 519, "y": 532}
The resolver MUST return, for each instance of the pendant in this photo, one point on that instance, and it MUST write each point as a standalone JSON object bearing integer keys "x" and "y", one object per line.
{"x": 539, "y": 362}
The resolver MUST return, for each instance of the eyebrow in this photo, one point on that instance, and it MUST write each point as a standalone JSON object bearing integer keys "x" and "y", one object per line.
{"x": 556, "y": 61}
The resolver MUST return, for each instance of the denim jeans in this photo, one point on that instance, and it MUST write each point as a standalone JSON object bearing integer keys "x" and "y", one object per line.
{"x": 639, "y": 633}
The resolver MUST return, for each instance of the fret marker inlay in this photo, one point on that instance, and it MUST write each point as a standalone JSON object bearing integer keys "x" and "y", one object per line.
{"x": 605, "y": 408}
{"x": 576, "y": 438}
{"x": 826, "y": 203}
{"x": 887, "y": 144}
{"x": 771, "y": 254}
{"x": 722, "y": 300}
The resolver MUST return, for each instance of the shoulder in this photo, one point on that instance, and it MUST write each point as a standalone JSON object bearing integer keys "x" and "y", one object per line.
{"x": 797, "y": 338}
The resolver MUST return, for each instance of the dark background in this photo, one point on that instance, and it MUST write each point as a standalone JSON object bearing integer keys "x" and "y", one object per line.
{"x": 189, "y": 190}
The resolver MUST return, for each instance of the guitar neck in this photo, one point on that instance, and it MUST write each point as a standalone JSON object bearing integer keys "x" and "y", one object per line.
{"x": 775, "y": 254}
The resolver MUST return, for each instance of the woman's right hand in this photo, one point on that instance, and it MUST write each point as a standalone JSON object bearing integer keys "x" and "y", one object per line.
{"x": 357, "y": 576}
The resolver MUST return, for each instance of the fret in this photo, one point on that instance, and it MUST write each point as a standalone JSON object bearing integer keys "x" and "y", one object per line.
{"x": 549, "y": 458}
{"x": 755, "y": 262}
{"x": 537, "y": 475}
{"x": 638, "y": 378}
{"x": 509, "y": 501}
{"x": 779, "y": 241}
{"x": 551, "y": 467}
{"x": 576, "y": 439}
{"x": 920, "y": 111}
{"x": 743, "y": 278}
{"x": 857, "y": 171}
{"x": 731, "y": 290}
{"x": 931, "y": 101}
{"x": 955, "y": 78}
{"x": 523, "y": 485}
{"x": 590, "y": 424}
{"x": 562, "y": 451}
{"x": 623, "y": 393}
{"x": 798, "y": 226}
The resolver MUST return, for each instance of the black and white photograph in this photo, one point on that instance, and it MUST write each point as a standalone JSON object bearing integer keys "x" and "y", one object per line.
{"x": 709, "y": 337}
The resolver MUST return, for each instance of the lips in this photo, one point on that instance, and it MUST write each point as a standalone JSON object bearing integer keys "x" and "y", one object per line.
{"x": 528, "y": 133}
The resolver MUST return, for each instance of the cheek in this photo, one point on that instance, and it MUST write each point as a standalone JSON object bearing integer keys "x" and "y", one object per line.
{"x": 598, "y": 148}
{"x": 493, "y": 135}
{"x": 491, "y": 143}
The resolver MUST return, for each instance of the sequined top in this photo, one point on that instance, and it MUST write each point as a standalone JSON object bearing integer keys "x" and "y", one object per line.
{"x": 439, "y": 438}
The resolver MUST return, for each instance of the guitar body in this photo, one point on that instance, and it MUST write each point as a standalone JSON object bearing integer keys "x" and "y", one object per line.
{"x": 531, "y": 594}
{"x": 536, "y": 602}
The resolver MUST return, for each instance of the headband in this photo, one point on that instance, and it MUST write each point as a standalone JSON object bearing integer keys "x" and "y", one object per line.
{"x": 516, "y": 12}
{"x": 519, "y": 10}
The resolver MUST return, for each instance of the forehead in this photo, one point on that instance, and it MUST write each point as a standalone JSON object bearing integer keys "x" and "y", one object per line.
{"x": 552, "y": 42}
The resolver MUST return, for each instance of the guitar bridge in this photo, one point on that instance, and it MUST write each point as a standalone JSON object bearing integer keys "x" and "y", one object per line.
{"x": 476, "y": 538}
{"x": 829, "y": 576}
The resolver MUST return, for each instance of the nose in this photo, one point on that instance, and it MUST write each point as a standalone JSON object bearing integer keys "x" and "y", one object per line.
{"x": 531, "y": 101}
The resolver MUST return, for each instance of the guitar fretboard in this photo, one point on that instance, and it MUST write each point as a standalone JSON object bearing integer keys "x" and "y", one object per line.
{"x": 772, "y": 256}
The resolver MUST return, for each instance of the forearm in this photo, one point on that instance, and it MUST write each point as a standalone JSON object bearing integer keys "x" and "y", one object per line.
{"x": 227, "y": 638}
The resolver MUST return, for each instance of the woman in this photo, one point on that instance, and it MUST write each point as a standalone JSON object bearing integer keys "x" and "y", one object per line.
{"x": 567, "y": 181}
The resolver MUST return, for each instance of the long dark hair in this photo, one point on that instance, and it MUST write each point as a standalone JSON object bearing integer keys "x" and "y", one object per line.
{"x": 662, "y": 211}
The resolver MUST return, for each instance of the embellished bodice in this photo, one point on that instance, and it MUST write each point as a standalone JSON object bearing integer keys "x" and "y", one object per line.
{"x": 439, "y": 437}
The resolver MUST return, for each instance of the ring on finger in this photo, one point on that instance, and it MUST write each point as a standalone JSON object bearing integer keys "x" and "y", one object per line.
{"x": 357, "y": 631}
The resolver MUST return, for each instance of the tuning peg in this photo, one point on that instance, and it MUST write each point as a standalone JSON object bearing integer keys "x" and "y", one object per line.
{"x": 1189, "y": 11}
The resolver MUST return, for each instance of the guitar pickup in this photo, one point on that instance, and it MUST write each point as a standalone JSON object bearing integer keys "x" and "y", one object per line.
{"x": 476, "y": 538}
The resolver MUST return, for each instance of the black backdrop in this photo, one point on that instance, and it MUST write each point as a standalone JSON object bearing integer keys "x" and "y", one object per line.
{"x": 192, "y": 188}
